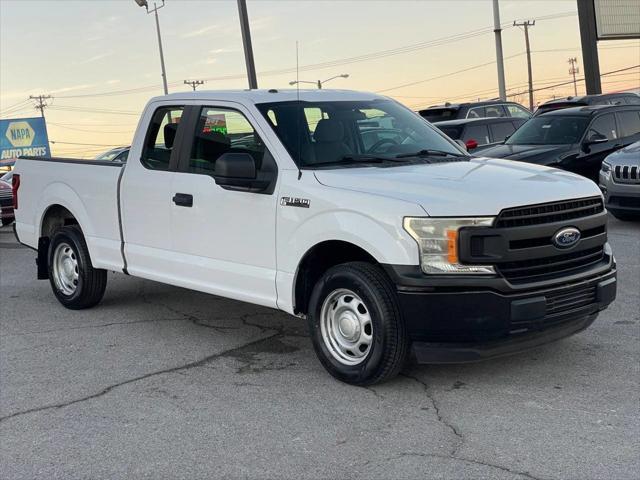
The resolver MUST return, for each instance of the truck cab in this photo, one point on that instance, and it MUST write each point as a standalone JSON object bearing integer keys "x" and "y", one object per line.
{"x": 397, "y": 247}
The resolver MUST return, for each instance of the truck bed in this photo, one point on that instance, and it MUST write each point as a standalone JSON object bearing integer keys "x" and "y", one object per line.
{"x": 89, "y": 188}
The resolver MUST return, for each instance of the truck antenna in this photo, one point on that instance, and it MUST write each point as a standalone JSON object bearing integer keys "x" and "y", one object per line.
{"x": 298, "y": 113}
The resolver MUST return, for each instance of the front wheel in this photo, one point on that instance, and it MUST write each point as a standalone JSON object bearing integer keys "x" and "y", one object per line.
{"x": 356, "y": 326}
{"x": 75, "y": 283}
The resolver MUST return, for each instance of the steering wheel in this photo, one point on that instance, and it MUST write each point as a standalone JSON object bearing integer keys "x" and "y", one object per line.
{"x": 379, "y": 143}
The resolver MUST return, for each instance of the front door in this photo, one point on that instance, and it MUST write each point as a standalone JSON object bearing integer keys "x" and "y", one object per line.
{"x": 225, "y": 238}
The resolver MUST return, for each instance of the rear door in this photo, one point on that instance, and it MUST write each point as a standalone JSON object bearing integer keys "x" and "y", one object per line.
{"x": 145, "y": 195}
{"x": 224, "y": 239}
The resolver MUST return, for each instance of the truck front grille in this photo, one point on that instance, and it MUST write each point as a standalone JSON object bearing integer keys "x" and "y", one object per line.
{"x": 626, "y": 174}
{"x": 548, "y": 267}
{"x": 549, "y": 212}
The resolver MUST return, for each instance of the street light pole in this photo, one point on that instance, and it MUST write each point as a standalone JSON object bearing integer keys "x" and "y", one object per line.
{"x": 497, "y": 29}
{"x": 246, "y": 42}
{"x": 143, "y": 3}
{"x": 319, "y": 83}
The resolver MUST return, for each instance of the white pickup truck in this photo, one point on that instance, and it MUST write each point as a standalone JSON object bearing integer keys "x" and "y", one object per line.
{"x": 344, "y": 208}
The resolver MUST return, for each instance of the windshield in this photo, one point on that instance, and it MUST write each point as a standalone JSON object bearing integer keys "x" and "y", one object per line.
{"x": 340, "y": 133}
{"x": 551, "y": 130}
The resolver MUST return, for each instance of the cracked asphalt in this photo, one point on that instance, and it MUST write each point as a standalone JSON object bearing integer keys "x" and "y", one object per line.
{"x": 160, "y": 382}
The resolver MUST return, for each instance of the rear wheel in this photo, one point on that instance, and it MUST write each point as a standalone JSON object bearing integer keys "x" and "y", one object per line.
{"x": 75, "y": 283}
{"x": 356, "y": 326}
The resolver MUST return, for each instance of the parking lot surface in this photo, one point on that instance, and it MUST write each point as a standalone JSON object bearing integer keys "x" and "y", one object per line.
{"x": 161, "y": 382}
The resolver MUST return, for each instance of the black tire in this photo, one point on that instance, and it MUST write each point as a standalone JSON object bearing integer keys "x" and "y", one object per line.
{"x": 388, "y": 350}
{"x": 91, "y": 282}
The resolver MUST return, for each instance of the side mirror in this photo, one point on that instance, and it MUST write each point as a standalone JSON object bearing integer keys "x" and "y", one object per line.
{"x": 471, "y": 144}
{"x": 235, "y": 171}
{"x": 461, "y": 144}
{"x": 596, "y": 138}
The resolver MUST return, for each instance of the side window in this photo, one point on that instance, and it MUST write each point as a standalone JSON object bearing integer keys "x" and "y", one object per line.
{"x": 517, "y": 111}
{"x": 222, "y": 130}
{"x": 494, "y": 111}
{"x": 500, "y": 131}
{"x": 160, "y": 137}
{"x": 604, "y": 125}
{"x": 479, "y": 133}
{"x": 629, "y": 123}
{"x": 477, "y": 112}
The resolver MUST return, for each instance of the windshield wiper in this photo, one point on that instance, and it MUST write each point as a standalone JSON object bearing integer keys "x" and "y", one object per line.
{"x": 352, "y": 159}
{"x": 430, "y": 153}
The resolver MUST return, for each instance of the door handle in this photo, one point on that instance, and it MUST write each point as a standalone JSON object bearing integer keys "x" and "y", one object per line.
{"x": 183, "y": 199}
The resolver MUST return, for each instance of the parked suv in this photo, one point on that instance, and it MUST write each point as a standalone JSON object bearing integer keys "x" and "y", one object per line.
{"x": 491, "y": 108}
{"x": 586, "y": 100}
{"x": 620, "y": 182}
{"x": 575, "y": 139}
{"x": 480, "y": 133}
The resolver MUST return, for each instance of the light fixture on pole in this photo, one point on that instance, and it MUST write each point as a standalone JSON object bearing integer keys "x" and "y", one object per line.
{"x": 143, "y": 3}
{"x": 194, "y": 83}
{"x": 319, "y": 83}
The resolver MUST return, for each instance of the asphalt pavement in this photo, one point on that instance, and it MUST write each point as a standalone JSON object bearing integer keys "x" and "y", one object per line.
{"x": 160, "y": 382}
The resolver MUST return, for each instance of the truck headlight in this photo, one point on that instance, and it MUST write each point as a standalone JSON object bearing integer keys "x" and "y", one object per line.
{"x": 438, "y": 243}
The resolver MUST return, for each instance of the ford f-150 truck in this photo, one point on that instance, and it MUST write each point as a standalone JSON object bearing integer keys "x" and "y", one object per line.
{"x": 340, "y": 207}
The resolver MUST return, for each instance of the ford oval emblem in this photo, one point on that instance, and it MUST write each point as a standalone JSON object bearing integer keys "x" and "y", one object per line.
{"x": 566, "y": 238}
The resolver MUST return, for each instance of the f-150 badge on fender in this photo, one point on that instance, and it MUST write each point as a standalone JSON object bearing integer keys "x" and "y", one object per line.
{"x": 295, "y": 202}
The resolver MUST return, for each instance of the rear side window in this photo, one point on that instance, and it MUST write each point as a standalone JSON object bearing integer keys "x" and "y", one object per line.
{"x": 517, "y": 111}
{"x": 160, "y": 138}
{"x": 494, "y": 111}
{"x": 500, "y": 131}
{"x": 477, "y": 112}
{"x": 604, "y": 125}
{"x": 479, "y": 133}
{"x": 629, "y": 123}
{"x": 219, "y": 131}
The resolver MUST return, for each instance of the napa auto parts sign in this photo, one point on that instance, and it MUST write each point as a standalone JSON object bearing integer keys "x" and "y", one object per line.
{"x": 24, "y": 137}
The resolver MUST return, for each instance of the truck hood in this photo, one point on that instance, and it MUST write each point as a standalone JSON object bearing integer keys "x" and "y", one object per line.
{"x": 481, "y": 186}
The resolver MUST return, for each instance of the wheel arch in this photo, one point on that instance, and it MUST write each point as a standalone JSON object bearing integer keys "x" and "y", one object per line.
{"x": 316, "y": 261}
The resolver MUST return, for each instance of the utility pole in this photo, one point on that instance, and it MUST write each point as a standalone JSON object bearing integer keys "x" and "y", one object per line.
{"x": 194, "y": 83}
{"x": 526, "y": 24}
{"x": 143, "y": 3}
{"x": 41, "y": 102}
{"x": 497, "y": 29}
{"x": 573, "y": 70}
{"x": 589, "y": 41}
{"x": 246, "y": 42}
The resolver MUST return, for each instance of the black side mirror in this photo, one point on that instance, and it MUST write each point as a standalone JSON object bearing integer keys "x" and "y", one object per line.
{"x": 596, "y": 138}
{"x": 237, "y": 171}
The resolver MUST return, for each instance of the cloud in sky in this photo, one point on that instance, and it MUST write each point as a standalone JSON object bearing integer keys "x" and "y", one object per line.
{"x": 199, "y": 32}
{"x": 95, "y": 58}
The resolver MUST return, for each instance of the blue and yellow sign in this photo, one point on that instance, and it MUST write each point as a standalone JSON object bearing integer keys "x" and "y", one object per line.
{"x": 24, "y": 137}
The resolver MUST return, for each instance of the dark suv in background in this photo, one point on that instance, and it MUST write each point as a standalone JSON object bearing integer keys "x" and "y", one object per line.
{"x": 586, "y": 100}
{"x": 480, "y": 133}
{"x": 574, "y": 139}
{"x": 490, "y": 108}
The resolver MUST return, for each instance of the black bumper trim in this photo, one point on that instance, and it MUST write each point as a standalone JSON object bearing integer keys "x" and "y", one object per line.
{"x": 425, "y": 352}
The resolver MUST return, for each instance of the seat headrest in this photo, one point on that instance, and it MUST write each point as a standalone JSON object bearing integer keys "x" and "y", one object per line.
{"x": 329, "y": 131}
{"x": 170, "y": 130}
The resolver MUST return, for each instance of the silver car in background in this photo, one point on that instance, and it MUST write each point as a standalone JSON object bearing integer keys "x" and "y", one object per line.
{"x": 620, "y": 182}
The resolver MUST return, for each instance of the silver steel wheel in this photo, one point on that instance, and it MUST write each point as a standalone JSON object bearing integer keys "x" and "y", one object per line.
{"x": 347, "y": 330}
{"x": 65, "y": 269}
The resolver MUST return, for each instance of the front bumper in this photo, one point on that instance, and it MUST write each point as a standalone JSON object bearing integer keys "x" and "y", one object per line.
{"x": 452, "y": 325}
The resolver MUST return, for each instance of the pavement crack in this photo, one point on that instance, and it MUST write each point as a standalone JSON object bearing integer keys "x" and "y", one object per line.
{"x": 106, "y": 390}
{"x": 526, "y": 475}
{"x": 441, "y": 419}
